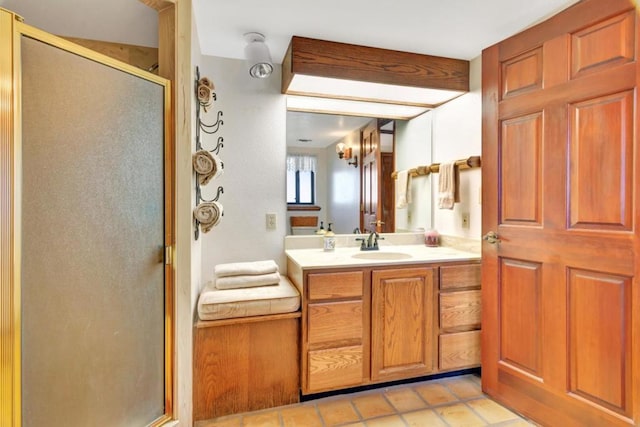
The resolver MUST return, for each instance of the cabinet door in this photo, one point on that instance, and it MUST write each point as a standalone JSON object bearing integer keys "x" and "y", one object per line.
{"x": 402, "y": 338}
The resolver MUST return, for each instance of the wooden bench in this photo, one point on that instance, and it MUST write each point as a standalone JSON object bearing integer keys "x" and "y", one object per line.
{"x": 245, "y": 364}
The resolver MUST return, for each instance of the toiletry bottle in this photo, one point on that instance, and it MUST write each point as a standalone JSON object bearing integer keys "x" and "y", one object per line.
{"x": 321, "y": 231}
{"x": 431, "y": 238}
{"x": 329, "y": 239}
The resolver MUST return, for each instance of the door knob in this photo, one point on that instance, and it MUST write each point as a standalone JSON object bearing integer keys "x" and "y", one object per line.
{"x": 491, "y": 237}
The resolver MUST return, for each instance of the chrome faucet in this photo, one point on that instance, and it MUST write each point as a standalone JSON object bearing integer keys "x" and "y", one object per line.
{"x": 373, "y": 239}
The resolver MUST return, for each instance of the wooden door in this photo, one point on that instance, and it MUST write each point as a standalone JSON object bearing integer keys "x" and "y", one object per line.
{"x": 370, "y": 195}
{"x": 402, "y": 333}
{"x": 560, "y": 297}
{"x": 388, "y": 193}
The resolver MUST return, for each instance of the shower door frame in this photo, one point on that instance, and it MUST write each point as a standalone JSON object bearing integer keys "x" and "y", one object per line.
{"x": 12, "y": 29}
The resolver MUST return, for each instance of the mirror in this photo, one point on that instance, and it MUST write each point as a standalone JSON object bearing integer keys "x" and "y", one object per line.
{"x": 338, "y": 182}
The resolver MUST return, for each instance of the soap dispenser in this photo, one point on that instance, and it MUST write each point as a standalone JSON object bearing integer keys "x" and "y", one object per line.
{"x": 329, "y": 240}
{"x": 321, "y": 231}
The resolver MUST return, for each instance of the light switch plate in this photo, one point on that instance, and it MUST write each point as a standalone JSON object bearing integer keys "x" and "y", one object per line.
{"x": 465, "y": 220}
{"x": 271, "y": 221}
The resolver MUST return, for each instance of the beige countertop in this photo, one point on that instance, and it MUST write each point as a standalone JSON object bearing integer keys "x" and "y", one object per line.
{"x": 386, "y": 255}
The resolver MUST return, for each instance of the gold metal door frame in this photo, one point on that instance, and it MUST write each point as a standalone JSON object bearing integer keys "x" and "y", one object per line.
{"x": 11, "y": 30}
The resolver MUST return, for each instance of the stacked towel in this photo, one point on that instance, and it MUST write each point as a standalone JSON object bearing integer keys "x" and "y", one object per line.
{"x": 246, "y": 268}
{"x": 448, "y": 192}
{"x": 246, "y": 274}
{"x": 403, "y": 189}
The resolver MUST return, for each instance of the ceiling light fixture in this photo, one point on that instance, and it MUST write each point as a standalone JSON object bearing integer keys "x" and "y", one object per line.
{"x": 347, "y": 107}
{"x": 258, "y": 57}
{"x": 325, "y": 69}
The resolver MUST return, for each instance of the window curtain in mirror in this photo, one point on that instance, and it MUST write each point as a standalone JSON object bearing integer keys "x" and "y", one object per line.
{"x": 302, "y": 163}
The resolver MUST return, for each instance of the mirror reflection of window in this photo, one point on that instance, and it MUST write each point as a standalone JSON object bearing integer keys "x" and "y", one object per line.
{"x": 301, "y": 182}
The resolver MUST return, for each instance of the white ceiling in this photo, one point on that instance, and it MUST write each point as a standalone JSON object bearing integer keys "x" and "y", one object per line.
{"x": 321, "y": 129}
{"x": 451, "y": 28}
{"x": 118, "y": 21}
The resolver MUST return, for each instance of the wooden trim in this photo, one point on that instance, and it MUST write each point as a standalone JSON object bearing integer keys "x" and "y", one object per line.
{"x": 176, "y": 64}
{"x": 368, "y": 64}
{"x": 167, "y": 43}
{"x": 303, "y": 208}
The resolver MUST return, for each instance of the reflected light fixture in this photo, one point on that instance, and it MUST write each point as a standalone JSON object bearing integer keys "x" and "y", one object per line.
{"x": 258, "y": 57}
{"x": 345, "y": 153}
{"x": 354, "y": 75}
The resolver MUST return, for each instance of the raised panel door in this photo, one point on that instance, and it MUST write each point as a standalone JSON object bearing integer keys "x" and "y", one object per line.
{"x": 559, "y": 289}
{"x": 402, "y": 333}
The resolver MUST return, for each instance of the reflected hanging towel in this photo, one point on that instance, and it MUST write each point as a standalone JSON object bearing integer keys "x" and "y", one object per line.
{"x": 403, "y": 189}
{"x": 448, "y": 192}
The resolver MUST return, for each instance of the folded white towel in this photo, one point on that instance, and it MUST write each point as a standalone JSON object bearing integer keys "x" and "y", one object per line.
{"x": 447, "y": 184}
{"x": 403, "y": 189}
{"x": 236, "y": 282}
{"x": 246, "y": 268}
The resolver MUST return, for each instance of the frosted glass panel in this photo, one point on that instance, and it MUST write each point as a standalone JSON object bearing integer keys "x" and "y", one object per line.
{"x": 92, "y": 233}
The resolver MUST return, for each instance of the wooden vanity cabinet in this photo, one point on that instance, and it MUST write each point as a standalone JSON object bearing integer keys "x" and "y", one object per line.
{"x": 402, "y": 333}
{"x": 459, "y": 317}
{"x": 335, "y": 318}
{"x": 376, "y": 324}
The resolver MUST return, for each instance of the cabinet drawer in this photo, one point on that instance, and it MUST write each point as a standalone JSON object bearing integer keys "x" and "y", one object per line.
{"x": 335, "y": 285}
{"x": 460, "y": 309}
{"x": 334, "y": 321}
{"x": 335, "y": 368}
{"x": 459, "y": 350}
{"x": 459, "y": 276}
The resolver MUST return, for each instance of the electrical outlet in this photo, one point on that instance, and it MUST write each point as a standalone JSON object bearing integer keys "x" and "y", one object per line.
{"x": 271, "y": 221}
{"x": 465, "y": 220}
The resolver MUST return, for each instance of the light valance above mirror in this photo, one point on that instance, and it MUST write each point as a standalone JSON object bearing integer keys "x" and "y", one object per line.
{"x": 325, "y": 69}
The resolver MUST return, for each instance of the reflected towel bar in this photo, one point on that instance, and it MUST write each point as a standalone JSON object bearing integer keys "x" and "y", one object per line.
{"x": 470, "y": 163}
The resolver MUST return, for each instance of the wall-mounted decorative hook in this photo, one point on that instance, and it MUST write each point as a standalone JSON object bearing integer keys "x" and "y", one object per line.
{"x": 212, "y": 128}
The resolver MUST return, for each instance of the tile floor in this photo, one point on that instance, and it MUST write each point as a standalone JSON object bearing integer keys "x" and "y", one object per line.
{"x": 445, "y": 402}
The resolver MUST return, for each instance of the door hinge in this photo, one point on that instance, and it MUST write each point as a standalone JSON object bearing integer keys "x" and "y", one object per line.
{"x": 167, "y": 255}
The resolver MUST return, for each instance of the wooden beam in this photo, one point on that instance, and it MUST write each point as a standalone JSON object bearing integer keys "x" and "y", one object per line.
{"x": 143, "y": 57}
{"x": 352, "y": 62}
{"x": 158, "y": 4}
{"x": 167, "y": 43}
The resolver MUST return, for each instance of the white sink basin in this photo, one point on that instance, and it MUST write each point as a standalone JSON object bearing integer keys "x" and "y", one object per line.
{"x": 381, "y": 255}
